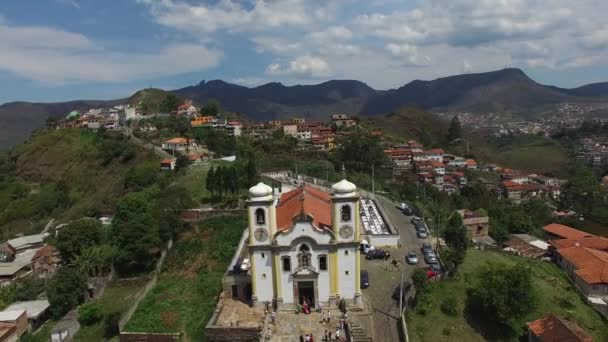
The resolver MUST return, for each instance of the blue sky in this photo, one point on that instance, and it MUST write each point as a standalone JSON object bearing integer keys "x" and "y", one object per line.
{"x": 56, "y": 50}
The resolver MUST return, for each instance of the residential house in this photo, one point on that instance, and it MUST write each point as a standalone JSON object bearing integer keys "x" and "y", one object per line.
{"x": 298, "y": 120}
{"x": 415, "y": 146}
{"x": 17, "y": 317}
{"x": 459, "y": 178}
{"x": 187, "y": 108}
{"x": 201, "y": 121}
{"x": 470, "y": 164}
{"x": 46, "y": 260}
{"x": 478, "y": 225}
{"x": 37, "y": 311}
{"x": 291, "y": 129}
{"x": 527, "y": 246}
{"x": 342, "y": 120}
{"x": 554, "y": 329}
{"x": 457, "y": 162}
{"x": 24, "y": 243}
{"x": 167, "y": 164}
{"x": 178, "y": 144}
{"x": 512, "y": 191}
{"x": 234, "y": 128}
{"x": 8, "y": 332}
{"x": 435, "y": 154}
{"x": 275, "y": 123}
{"x": 438, "y": 167}
{"x": 594, "y": 242}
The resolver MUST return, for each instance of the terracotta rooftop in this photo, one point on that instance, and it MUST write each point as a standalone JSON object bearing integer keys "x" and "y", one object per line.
{"x": 594, "y": 242}
{"x": 553, "y": 329}
{"x": 591, "y": 265}
{"x": 512, "y": 185}
{"x": 177, "y": 141}
{"x": 307, "y": 200}
{"x": 565, "y": 232}
{"x": 436, "y": 151}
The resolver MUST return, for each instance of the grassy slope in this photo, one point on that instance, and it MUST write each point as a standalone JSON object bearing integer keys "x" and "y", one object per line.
{"x": 555, "y": 292}
{"x": 186, "y": 293}
{"x": 118, "y": 297}
{"x": 71, "y": 156}
{"x": 409, "y": 123}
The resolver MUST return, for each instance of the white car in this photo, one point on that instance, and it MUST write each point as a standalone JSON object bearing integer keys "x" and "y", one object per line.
{"x": 402, "y": 206}
{"x": 412, "y": 258}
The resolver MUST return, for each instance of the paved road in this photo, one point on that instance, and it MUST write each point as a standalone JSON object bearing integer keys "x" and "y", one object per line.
{"x": 384, "y": 279}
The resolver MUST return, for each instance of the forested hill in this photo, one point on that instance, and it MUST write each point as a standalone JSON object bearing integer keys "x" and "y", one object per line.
{"x": 507, "y": 90}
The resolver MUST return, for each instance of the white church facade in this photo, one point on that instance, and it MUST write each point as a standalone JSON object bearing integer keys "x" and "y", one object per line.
{"x": 304, "y": 245}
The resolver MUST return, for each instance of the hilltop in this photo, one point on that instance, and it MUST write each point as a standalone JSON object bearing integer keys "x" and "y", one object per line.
{"x": 508, "y": 91}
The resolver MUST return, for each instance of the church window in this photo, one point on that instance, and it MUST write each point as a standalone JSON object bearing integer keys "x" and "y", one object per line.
{"x": 304, "y": 256}
{"x": 345, "y": 212}
{"x": 263, "y": 255}
{"x": 263, "y": 275}
{"x": 286, "y": 264}
{"x": 347, "y": 273}
{"x": 259, "y": 216}
{"x": 323, "y": 263}
{"x": 346, "y": 252}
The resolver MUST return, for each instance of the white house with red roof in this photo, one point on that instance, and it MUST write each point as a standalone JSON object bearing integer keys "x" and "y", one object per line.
{"x": 303, "y": 245}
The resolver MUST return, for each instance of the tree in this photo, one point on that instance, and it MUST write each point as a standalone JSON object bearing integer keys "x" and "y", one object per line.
{"x": 94, "y": 260}
{"x": 252, "y": 172}
{"x": 182, "y": 162}
{"x": 65, "y": 291}
{"x": 169, "y": 104}
{"x": 455, "y": 130}
{"x": 502, "y": 296}
{"x": 211, "y": 108}
{"x": 420, "y": 280}
{"x": 141, "y": 176}
{"x": 455, "y": 235}
{"x": 90, "y": 313}
{"x": 135, "y": 234}
{"x": 76, "y": 237}
{"x": 358, "y": 152}
{"x": 210, "y": 183}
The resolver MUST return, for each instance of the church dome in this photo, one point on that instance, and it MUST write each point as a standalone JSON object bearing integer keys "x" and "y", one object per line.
{"x": 344, "y": 188}
{"x": 260, "y": 190}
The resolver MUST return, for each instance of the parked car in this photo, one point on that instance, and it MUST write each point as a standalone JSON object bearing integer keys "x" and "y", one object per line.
{"x": 412, "y": 258}
{"x": 426, "y": 247}
{"x": 431, "y": 258}
{"x": 364, "y": 279}
{"x": 416, "y": 220}
{"x": 435, "y": 267}
{"x": 407, "y": 212}
{"x": 375, "y": 254}
{"x": 402, "y": 206}
{"x": 422, "y": 234}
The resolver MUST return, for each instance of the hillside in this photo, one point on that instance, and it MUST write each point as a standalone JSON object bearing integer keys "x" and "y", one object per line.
{"x": 507, "y": 91}
{"x": 410, "y": 123}
{"x": 64, "y": 174}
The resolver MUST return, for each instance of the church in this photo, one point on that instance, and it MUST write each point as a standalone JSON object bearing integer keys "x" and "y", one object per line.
{"x": 303, "y": 245}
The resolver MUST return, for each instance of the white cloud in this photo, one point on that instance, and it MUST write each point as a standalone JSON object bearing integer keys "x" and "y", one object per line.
{"x": 54, "y": 56}
{"x": 303, "y": 66}
{"x": 597, "y": 39}
{"x": 407, "y": 54}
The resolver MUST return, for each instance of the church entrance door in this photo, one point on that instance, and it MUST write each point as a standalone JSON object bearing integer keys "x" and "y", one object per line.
{"x": 306, "y": 291}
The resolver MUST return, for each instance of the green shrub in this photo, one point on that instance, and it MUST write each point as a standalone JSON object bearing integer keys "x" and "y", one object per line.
{"x": 449, "y": 306}
{"x": 90, "y": 313}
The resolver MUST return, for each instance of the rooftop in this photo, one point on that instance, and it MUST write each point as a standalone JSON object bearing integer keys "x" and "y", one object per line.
{"x": 595, "y": 242}
{"x": 10, "y": 315}
{"x": 591, "y": 265}
{"x": 26, "y": 240}
{"x": 552, "y": 328}
{"x": 33, "y": 308}
{"x": 304, "y": 200}
{"x": 565, "y": 232}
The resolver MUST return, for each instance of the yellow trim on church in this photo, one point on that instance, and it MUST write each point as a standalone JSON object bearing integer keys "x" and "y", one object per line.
{"x": 253, "y": 274}
{"x": 333, "y": 273}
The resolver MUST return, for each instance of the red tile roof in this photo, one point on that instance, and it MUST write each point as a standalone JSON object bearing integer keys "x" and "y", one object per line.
{"x": 307, "y": 200}
{"x": 565, "y": 232}
{"x": 435, "y": 151}
{"x": 591, "y": 265}
{"x": 598, "y": 243}
{"x": 554, "y": 329}
{"x": 511, "y": 185}
{"x": 437, "y": 164}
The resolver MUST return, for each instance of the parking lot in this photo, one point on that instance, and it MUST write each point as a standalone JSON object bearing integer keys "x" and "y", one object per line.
{"x": 384, "y": 278}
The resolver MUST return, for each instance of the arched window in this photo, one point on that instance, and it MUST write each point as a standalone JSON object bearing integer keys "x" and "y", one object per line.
{"x": 260, "y": 216}
{"x": 345, "y": 212}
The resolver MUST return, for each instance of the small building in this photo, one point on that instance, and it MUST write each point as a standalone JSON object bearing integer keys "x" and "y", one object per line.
{"x": 290, "y": 129}
{"x": 527, "y": 246}
{"x": 588, "y": 269}
{"x": 513, "y": 191}
{"x": 46, "y": 260}
{"x": 178, "y": 144}
{"x": 37, "y": 311}
{"x": 234, "y": 128}
{"x": 16, "y": 317}
{"x": 201, "y": 121}
{"x": 553, "y": 329}
{"x": 478, "y": 225}
{"x": 8, "y": 332}
{"x": 167, "y": 164}
{"x": 187, "y": 109}
{"x": 23, "y": 243}
{"x": 470, "y": 164}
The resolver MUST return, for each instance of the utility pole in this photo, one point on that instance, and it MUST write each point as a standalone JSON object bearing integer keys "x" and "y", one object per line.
{"x": 401, "y": 288}
{"x": 373, "y": 184}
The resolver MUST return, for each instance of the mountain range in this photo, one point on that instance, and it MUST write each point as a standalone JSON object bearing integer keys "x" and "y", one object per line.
{"x": 508, "y": 90}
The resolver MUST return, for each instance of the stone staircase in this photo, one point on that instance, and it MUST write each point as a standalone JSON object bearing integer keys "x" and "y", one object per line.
{"x": 358, "y": 333}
